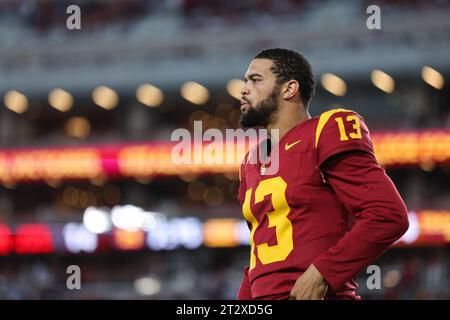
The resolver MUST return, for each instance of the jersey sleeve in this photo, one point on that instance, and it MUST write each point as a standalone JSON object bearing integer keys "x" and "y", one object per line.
{"x": 341, "y": 130}
{"x": 380, "y": 214}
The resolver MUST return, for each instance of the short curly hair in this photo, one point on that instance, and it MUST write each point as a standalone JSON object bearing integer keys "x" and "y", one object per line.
{"x": 289, "y": 64}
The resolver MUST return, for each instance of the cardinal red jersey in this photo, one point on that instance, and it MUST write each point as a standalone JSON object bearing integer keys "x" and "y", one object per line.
{"x": 293, "y": 214}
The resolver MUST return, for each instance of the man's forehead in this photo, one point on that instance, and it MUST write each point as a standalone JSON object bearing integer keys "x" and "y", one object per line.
{"x": 259, "y": 66}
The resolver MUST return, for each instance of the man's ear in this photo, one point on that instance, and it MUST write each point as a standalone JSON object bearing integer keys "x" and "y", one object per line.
{"x": 291, "y": 88}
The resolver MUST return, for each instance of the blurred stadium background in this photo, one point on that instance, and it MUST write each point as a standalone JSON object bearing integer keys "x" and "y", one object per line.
{"x": 86, "y": 118}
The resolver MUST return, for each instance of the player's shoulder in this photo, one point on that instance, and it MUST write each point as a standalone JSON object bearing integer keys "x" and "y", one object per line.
{"x": 336, "y": 120}
{"x": 331, "y": 113}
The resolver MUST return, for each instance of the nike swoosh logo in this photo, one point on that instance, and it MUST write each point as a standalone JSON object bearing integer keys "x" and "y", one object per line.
{"x": 288, "y": 146}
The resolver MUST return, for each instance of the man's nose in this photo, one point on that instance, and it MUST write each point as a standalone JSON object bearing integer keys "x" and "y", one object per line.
{"x": 244, "y": 91}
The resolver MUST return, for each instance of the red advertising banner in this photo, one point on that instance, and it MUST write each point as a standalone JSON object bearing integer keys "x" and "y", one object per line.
{"x": 140, "y": 160}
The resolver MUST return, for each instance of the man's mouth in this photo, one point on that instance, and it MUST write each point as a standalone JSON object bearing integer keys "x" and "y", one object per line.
{"x": 244, "y": 106}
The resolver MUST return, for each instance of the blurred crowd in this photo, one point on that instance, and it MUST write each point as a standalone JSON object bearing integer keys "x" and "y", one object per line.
{"x": 420, "y": 273}
{"x": 45, "y": 14}
{"x": 42, "y": 15}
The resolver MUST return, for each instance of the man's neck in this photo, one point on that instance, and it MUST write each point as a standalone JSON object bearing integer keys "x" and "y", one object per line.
{"x": 287, "y": 121}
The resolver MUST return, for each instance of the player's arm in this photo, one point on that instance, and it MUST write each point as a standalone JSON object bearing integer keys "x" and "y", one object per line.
{"x": 381, "y": 216}
{"x": 350, "y": 167}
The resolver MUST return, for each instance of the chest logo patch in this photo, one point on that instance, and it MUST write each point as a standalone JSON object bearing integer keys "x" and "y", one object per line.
{"x": 288, "y": 146}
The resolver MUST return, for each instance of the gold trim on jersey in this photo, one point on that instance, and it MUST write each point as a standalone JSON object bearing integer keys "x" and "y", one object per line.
{"x": 323, "y": 119}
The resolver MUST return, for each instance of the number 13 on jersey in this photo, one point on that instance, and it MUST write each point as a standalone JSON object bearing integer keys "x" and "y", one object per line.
{"x": 276, "y": 188}
{"x": 356, "y": 126}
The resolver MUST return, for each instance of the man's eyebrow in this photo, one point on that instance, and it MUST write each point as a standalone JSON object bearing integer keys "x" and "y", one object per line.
{"x": 253, "y": 75}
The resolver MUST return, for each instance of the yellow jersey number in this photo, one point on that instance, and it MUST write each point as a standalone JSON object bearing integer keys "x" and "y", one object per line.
{"x": 276, "y": 187}
{"x": 356, "y": 125}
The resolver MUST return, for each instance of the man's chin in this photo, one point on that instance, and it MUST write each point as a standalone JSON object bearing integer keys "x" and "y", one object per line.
{"x": 251, "y": 118}
{"x": 245, "y": 124}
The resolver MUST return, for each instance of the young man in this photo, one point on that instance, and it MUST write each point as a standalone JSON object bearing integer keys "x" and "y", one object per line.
{"x": 330, "y": 210}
